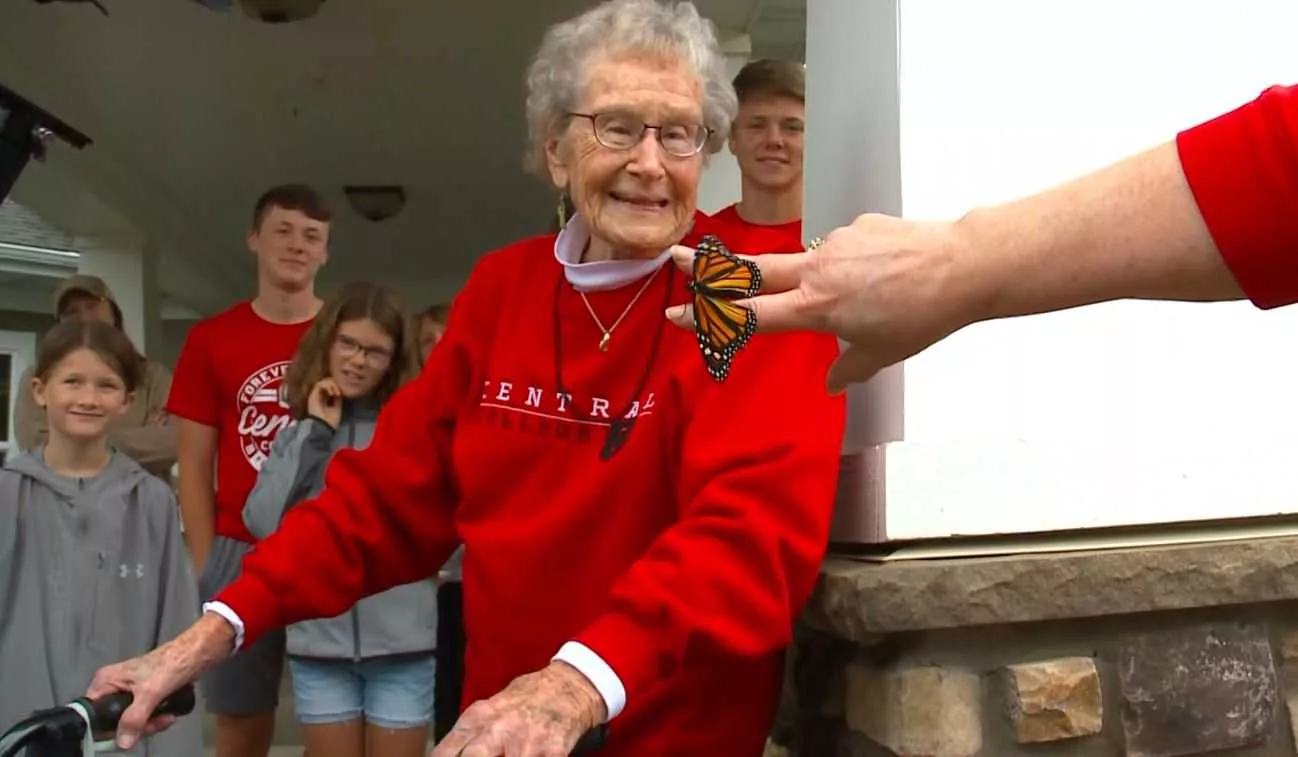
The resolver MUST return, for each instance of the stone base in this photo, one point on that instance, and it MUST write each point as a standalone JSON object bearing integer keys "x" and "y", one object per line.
{"x": 1147, "y": 653}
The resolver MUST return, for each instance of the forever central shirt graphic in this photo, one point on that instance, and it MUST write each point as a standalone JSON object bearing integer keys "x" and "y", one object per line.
{"x": 263, "y": 411}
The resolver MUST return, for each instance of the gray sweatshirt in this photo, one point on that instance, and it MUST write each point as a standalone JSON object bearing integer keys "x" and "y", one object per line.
{"x": 397, "y": 621}
{"x": 92, "y": 571}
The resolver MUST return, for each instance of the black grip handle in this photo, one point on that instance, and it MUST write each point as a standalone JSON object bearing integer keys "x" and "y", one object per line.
{"x": 108, "y": 710}
{"x": 591, "y": 741}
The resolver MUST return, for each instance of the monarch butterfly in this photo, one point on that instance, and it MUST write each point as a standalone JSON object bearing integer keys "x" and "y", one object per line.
{"x": 722, "y": 327}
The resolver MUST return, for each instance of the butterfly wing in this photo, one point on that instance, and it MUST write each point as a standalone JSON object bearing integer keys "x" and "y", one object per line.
{"x": 721, "y": 326}
{"x": 722, "y": 329}
{"x": 720, "y": 273}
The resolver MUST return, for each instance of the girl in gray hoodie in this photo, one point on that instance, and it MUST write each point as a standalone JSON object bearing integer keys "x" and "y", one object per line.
{"x": 92, "y": 564}
{"x": 362, "y": 681}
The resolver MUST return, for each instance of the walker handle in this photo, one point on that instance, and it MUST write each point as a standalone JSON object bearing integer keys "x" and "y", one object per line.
{"x": 591, "y": 741}
{"x": 108, "y": 710}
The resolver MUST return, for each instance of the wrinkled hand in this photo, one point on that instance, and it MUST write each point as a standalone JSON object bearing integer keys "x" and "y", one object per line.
{"x": 881, "y": 284}
{"x": 153, "y": 677}
{"x": 143, "y": 677}
{"x": 326, "y": 402}
{"x": 541, "y": 714}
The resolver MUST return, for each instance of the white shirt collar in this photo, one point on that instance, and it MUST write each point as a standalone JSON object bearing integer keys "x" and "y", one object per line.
{"x": 600, "y": 274}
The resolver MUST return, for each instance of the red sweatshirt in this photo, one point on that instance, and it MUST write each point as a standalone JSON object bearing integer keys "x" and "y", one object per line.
{"x": 1243, "y": 170}
{"x": 681, "y": 561}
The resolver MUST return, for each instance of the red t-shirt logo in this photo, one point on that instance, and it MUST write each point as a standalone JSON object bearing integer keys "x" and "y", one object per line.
{"x": 263, "y": 411}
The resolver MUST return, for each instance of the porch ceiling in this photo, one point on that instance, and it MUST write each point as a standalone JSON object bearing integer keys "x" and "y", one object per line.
{"x": 194, "y": 112}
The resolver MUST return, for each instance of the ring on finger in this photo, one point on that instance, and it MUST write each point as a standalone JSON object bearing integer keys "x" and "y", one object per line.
{"x": 813, "y": 244}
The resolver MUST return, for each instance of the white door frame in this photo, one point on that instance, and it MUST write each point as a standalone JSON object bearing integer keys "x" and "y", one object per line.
{"x": 22, "y": 346}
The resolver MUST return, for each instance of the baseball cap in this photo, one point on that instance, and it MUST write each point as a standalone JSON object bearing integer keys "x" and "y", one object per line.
{"x": 88, "y": 285}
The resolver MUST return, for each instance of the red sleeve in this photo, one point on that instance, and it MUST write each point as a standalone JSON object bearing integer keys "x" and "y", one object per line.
{"x": 758, "y": 476}
{"x": 194, "y": 395}
{"x": 1243, "y": 170}
{"x": 385, "y": 517}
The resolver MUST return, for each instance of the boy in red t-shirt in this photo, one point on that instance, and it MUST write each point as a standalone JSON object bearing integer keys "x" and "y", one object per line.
{"x": 227, "y": 401}
{"x": 766, "y": 139}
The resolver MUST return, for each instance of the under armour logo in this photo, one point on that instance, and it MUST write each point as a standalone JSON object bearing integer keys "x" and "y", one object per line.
{"x": 125, "y": 570}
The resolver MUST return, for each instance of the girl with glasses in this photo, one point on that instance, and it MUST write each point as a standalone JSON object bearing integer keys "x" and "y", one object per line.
{"x": 362, "y": 680}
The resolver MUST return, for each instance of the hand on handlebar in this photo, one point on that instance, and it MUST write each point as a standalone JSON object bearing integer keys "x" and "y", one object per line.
{"x": 152, "y": 677}
{"x": 147, "y": 680}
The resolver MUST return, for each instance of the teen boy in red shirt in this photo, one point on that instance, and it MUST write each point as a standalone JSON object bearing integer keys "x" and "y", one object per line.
{"x": 227, "y": 400}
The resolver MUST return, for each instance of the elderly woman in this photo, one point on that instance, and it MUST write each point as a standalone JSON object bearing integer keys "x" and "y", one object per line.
{"x": 638, "y": 535}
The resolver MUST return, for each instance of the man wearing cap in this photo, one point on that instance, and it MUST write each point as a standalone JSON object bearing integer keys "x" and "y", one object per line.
{"x": 143, "y": 434}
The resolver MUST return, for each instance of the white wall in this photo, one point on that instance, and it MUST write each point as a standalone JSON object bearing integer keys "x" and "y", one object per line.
{"x": 1003, "y": 97}
{"x": 720, "y": 184}
{"x": 1117, "y": 414}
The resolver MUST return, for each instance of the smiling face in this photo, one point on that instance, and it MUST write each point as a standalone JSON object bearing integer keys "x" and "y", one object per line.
{"x": 290, "y": 247}
{"x": 81, "y": 395}
{"x": 638, "y": 201}
{"x": 767, "y": 141}
{"x": 361, "y": 354}
{"x": 85, "y": 306}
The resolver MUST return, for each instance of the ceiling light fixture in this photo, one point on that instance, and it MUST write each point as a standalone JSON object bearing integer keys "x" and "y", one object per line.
{"x": 95, "y": 3}
{"x": 269, "y": 11}
{"x": 376, "y": 202}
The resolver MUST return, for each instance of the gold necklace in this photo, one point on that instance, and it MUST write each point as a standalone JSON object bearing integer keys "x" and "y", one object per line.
{"x": 608, "y": 332}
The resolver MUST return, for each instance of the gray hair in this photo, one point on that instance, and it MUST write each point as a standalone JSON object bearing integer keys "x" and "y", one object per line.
{"x": 653, "y": 27}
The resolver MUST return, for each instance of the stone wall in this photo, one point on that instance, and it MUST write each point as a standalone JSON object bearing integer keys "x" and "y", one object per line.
{"x": 1148, "y": 653}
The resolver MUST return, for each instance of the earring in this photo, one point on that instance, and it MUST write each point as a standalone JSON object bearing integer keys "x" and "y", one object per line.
{"x": 562, "y": 212}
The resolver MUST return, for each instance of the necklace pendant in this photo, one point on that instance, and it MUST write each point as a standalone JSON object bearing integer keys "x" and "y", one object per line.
{"x": 603, "y": 342}
{"x": 615, "y": 437}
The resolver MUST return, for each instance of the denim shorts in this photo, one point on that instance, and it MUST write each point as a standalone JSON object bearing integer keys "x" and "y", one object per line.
{"x": 391, "y": 692}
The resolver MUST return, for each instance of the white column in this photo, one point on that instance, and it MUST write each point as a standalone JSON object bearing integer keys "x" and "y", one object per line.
{"x": 127, "y": 267}
{"x": 853, "y": 166}
{"x": 1117, "y": 414}
{"x": 720, "y": 184}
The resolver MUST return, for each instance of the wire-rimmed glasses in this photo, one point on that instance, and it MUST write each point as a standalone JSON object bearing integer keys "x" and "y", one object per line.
{"x": 622, "y": 131}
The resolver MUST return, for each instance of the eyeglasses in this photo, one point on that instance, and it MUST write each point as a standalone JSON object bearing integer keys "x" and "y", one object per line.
{"x": 622, "y": 131}
{"x": 378, "y": 357}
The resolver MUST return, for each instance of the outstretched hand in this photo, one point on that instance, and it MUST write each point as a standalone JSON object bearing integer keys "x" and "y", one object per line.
{"x": 882, "y": 284}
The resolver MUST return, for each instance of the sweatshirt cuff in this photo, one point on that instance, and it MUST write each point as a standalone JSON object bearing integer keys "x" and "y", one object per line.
{"x": 231, "y": 617}
{"x": 252, "y": 607}
{"x": 598, "y": 672}
{"x": 640, "y": 658}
